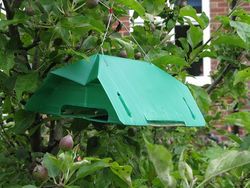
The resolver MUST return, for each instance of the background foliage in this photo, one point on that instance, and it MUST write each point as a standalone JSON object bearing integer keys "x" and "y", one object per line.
{"x": 38, "y": 36}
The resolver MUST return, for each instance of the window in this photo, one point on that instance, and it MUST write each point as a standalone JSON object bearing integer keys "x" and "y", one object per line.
{"x": 200, "y": 70}
{"x": 196, "y": 68}
{"x": 197, "y": 4}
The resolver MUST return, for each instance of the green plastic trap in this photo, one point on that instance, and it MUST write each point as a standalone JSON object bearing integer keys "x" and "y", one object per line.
{"x": 116, "y": 90}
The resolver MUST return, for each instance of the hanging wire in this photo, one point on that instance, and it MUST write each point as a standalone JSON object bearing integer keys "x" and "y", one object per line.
{"x": 107, "y": 28}
{"x": 127, "y": 29}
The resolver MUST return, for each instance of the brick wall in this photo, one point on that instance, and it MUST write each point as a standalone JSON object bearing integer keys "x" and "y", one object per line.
{"x": 217, "y": 8}
{"x": 125, "y": 21}
{"x": 221, "y": 7}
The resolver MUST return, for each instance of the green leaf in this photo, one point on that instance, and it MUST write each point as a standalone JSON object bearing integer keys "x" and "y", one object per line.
{"x": 162, "y": 161}
{"x": 154, "y": 7}
{"x": 90, "y": 42}
{"x": 214, "y": 152}
{"x": 185, "y": 170}
{"x": 240, "y": 119}
{"x": 204, "y": 19}
{"x": 23, "y": 121}
{"x": 243, "y": 30}
{"x": 229, "y": 40}
{"x": 82, "y": 22}
{"x": 91, "y": 168}
{"x": 7, "y": 105}
{"x": 134, "y": 5}
{"x": 3, "y": 78}
{"x": 52, "y": 164}
{"x": 226, "y": 162}
{"x": 163, "y": 60}
{"x": 76, "y": 165}
{"x": 194, "y": 36}
{"x": 27, "y": 82}
{"x": 225, "y": 20}
{"x": 245, "y": 144}
{"x": 3, "y": 40}
{"x": 66, "y": 161}
{"x": 127, "y": 45}
{"x": 60, "y": 31}
{"x": 189, "y": 11}
{"x": 184, "y": 44}
{"x": 77, "y": 26}
{"x": 6, "y": 62}
{"x": 242, "y": 15}
{"x": 5, "y": 23}
{"x": 123, "y": 172}
{"x": 201, "y": 97}
{"x": 206, "y": 53}
{"x": 72, "y": 52}
{"x": 242, "y": 76}
{"x": 29, "y": 186}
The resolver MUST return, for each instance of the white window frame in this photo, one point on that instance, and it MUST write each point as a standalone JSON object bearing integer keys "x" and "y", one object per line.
{"x": 205, "y": 78}
{"x": 2, "y": 11}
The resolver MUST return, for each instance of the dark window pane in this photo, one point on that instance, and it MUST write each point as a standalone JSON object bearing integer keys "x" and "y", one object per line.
{"x": 196, "y": 68}
{"x": 181, "y": 31}
{"x": 197, "y": 4}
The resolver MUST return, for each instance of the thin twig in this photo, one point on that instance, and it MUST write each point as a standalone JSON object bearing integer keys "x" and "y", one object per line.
{"x": 78, "y": 47}
{"x": 67, "y": 58}
{"x": 214, "y": 34}
{"x": 228, "y": 67}
{"x": 13, "y": 31}
{"x": 219, "y": 78}
{"x": 34, "y": 44}
{"x": 5, "y": 33}
{"x": 107, "y": 29}
{"x": 6, "y": 139}
{"x": 155, "y": 134}
{"x": 126, "y": 28}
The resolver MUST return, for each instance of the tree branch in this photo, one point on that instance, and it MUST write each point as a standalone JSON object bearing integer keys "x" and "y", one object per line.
{"x": 234, "y": 6}
{"x": 36, "y": 60}
{"x": 219, "y": 78}
{"x": 35, "y": 138}
{"x": 5, "y": 33}
{"x": 78, "y": 47}
{"x": 228, "y": 67}
{"x": 17, "y": 3}
{"x": 66, "y": 59}
{"x": 234, "y": 3}
{"x": 34, "y": 43}
{"x": 52, "y": 140}
{"x": 13, "y": 30}
{"x": 8, "y": 9}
